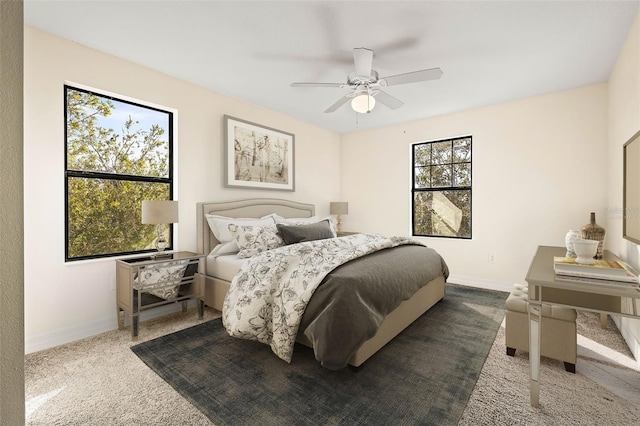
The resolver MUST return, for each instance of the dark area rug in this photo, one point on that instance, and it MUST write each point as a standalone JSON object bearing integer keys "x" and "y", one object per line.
{"x": 424, "y": 376}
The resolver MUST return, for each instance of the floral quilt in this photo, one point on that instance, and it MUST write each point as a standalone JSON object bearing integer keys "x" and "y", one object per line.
{"x": 268, "y": 296}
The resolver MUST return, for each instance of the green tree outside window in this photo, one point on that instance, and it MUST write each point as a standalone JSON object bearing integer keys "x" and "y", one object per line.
{"x": 118, "y": 153}
{"x": 441, "y": 189}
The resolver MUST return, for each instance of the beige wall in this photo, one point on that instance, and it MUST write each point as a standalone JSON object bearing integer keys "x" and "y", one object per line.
{"x": 12, "y": 408}
{"x": 537, "y": 172}
{"x": 623, "y": 122}
{"x": 64, "y": 302}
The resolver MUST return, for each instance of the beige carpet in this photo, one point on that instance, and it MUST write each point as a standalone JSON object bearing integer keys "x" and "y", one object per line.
{"x": 501, "y": 395}
{"x": 99, "y": 381}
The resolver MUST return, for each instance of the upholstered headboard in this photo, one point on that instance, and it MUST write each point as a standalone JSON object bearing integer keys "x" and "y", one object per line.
{"x": 255, "y": 207}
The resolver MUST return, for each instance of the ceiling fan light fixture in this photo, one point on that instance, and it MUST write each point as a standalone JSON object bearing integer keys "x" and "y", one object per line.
{"x": 363, "y": 103}
{"x": 365, "y": 83}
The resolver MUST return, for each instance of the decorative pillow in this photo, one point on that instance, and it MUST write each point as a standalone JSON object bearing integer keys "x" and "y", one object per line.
{"x": 305, "y": 221}
{"x": 220, "y": 227}
{"x": 292, "y": 234}
{"x": 252, "y": 240}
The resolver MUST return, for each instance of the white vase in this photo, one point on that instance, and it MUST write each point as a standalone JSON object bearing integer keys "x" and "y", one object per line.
{"x": 571, "y": 236}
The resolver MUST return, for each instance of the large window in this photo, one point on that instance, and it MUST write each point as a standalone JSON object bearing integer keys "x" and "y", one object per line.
{"x": 441, "y": 190}
{"x": 117, "y": 153}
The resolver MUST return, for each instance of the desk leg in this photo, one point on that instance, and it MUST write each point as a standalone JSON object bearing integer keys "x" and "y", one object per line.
{"x": 534, "y": 352}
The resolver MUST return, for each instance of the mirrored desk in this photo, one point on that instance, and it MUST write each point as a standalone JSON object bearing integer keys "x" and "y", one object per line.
{"x": 607, "y": 297}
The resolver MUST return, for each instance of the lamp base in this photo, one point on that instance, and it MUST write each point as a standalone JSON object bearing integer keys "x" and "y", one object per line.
{"x": 161, "y": 241}
{"x": 338, "y": 223}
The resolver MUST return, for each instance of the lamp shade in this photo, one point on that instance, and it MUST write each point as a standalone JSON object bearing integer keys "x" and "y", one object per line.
{"x": 363, "y": 103}
{"x": 159, "y": 211}
{"x": 338, "y": 207}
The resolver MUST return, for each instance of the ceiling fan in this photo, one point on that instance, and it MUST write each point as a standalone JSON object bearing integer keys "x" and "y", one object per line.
{"x": 366, "y": 85}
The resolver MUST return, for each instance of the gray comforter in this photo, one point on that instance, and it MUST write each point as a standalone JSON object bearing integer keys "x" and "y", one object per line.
{"x": 269, "y": 296}
{"x": 351, "y": 302}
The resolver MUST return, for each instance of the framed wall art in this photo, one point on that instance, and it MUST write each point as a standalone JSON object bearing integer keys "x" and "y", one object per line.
{"x": 257, "y": 156}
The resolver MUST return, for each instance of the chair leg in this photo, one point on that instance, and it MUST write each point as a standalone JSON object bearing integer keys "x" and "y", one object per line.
{"x": 571, "y": 368}
{"x": 511, "y": 351}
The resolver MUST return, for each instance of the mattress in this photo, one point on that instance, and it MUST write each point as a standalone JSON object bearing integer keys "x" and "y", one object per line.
{"x": 224, "y": 267}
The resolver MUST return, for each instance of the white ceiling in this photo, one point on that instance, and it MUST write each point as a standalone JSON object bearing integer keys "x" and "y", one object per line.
{"x": 490, "y": 51}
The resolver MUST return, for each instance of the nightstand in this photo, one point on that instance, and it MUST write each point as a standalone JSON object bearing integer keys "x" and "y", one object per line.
{"x": 148, "y": 282}
{"x": 345, "y": 233}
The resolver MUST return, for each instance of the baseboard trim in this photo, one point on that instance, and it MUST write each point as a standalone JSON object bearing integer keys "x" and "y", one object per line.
{"x": 64, "y": 335}
{"x": 481, "y": 283}
{"x": 61, "y": 336}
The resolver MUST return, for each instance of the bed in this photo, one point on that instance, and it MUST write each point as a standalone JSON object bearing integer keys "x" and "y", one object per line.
{"x": 219, "y": 270}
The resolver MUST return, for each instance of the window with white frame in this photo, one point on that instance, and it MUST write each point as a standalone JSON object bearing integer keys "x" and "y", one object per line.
{"x": 441, "y": 188}
{"x": 117, "y": 153}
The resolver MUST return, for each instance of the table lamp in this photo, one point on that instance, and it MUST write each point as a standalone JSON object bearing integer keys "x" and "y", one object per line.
{"x": 338, "y": 208}
{"x": 159, "y": 212}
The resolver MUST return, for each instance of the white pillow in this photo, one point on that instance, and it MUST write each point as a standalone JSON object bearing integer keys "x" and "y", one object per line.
{"x": 252, "y": 240}
{"x": 224, "y": 248}
{"x": 296, "y": 220}
{"x": 220, "y": 227}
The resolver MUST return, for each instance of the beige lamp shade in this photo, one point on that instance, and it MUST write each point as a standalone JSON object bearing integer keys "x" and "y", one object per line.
{"x": 338, "y": 207}
{"x": 159, "y": 211}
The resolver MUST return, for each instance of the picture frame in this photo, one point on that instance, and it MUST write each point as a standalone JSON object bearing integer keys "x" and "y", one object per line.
{"x": 257, "y": 156}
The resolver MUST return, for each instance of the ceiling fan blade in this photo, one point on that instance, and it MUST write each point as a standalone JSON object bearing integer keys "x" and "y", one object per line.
{"x": 318, "y": 85}
{"x": 343, "y": 100}
{"x": 363, "y": 60}
{"x": 412, "y": 77}
{"x": 387, "y": 100}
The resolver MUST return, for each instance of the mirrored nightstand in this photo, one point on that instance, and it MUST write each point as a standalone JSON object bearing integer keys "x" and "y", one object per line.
{"x": 148, "y": 282}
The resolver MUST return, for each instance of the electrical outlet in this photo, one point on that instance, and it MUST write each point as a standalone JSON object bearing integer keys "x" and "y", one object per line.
{"x": 492, "y": 258}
